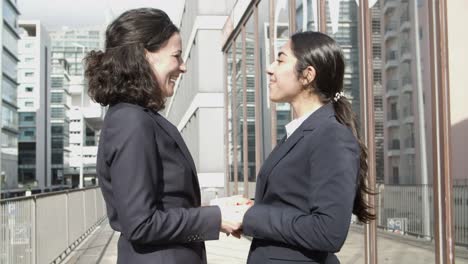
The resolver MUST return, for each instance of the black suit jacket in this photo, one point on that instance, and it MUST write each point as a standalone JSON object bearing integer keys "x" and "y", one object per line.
{"x": 305, "y": 193}
{"x": 149, "y": 182}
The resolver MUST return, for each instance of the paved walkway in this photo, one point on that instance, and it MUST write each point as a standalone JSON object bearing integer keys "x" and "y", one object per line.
{"x": 101, "y": 247}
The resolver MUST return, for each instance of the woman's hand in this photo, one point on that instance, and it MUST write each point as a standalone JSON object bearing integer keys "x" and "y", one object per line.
{"x": 232, "y": 217}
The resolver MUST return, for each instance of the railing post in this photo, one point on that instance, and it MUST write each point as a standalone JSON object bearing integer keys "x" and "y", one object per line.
{"x": 95, "y": 207}
{"x": 84, "y": 210}
{"x": 67, "y": 227}
{"x": 34, "y": 230}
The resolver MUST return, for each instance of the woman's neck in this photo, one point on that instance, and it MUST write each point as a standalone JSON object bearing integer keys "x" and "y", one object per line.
{"x": 304, "y": 103}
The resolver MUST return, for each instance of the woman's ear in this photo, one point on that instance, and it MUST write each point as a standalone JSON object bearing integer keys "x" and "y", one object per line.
{"x": 149, "y": 57}
{"x": 308, "y": 75}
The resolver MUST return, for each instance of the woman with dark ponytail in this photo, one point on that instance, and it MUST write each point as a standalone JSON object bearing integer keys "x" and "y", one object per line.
{"x": 146, "y": 173}
{"x": 315, "y": 178}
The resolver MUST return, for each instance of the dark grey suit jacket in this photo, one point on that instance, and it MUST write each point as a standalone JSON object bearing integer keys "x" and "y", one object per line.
{"x": 149, "y": 182}
{"x": 305, "y": 193}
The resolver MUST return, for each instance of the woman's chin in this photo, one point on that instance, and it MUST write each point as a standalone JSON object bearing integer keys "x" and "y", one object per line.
{"x": 168, "y": 92}
{"x": 277, "y": 99}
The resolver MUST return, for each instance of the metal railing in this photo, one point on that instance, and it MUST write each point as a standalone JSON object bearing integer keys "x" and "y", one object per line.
{"x": 408, "y": 209}
{"x": 45, "y": 228}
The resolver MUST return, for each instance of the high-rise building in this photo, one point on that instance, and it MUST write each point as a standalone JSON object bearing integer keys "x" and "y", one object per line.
{"x": 69, "y": 44}
{"x": 407, "y": 88}
{"x": 85, "y": 116}
{"x": 8, "y": 104}
{"x": 60, "y": 122}
{"x": 34, "y": 142}
{"x": 378, "y": 91}
{"x": 197, "y": 103}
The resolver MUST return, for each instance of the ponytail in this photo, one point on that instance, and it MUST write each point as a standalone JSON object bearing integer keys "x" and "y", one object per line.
{"x": 325, "y": 56}
{"x": 346, "y": 116}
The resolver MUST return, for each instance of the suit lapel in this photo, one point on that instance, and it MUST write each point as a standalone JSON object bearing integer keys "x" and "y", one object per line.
{"x": 172, "y": 131}
{"x": 282, "y": 150}
{"x": 276, "y": 155}
{"x": 260, "y": 181}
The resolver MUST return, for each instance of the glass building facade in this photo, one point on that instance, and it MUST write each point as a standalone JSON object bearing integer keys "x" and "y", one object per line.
{"x": 393, "y": 79}
{"x": 60, "y": 122}
{"x": 8, "y": 106}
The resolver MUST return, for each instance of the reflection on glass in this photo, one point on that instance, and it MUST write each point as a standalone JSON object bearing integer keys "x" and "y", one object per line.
{"x": 283, "y": 110}
{"x": 404, "y": 170}
{"x": 264, "y": 61}
{"x": 239, "y": 108}
{"x": 306, "y": 15}
{"x": 250, "y": 75}
{"x": 229, "y": 113}
{"x": 342, "y": 25}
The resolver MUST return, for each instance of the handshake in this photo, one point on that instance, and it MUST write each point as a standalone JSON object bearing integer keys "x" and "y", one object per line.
{"x": 233, "y": 210}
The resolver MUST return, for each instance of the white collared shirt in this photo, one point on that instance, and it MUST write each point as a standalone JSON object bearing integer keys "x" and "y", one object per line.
{"x": 293, "y": 125}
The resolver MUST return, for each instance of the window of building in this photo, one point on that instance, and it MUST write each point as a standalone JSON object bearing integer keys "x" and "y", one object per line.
{"x": 28, "y": 104}
{"x": 29, "y": 74}
{"x": 29, "y": 133}
{"x": 57, "y": 129}
{"x": 28, "y": 89}
{"x": 395, "y": 175}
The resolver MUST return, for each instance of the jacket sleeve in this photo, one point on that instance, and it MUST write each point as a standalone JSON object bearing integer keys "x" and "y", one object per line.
{"x": 132, "y": 156}
{"x": 334, "y": 166}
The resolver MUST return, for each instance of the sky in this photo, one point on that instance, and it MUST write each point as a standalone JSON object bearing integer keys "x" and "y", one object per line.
{"x": 55, "y": 14}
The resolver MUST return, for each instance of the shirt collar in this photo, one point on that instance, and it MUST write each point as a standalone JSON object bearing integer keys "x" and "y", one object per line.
{"x": 294, "y": 124}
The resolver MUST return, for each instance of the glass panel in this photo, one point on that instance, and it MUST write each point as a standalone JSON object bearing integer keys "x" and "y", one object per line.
{"x": 306, "y": 15}
{"x": 9, "y": 117}
{"x": 342, "y": 23}
{"x": 457, "y": 54}
{"x": 9, "y": 143}
{"x": 402, "y": 84}
{"x": 229, "y": 113}
{"x": 9, "y": 14}
{"x": 239, "y": 108}
{"x": 10, "y": 41}
{"x": 57, "y": 98}
{"x": 9, "y": 92}
{"x": 9, "y": 65}
{"x": 283, "y": 110}
{"x": 250, "y": 75}
{"x": 264, "y": 61}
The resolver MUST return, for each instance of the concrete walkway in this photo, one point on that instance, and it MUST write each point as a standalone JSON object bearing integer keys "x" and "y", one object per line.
{"x": 101, "y": 247}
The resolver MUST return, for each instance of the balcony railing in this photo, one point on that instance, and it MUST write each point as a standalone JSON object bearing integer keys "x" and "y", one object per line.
{"x": 406, "y": 204}
{"x": 43, "y": 228}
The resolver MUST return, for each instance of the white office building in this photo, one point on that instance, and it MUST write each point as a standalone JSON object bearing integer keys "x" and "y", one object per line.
{"x": 34, "y": 142}
{"x": 197, "y": 107}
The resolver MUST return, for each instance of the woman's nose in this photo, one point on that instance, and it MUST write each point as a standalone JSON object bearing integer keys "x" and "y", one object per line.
{"x": 183, "y": 67}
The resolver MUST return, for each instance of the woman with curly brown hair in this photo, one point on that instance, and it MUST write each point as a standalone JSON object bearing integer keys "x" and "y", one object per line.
{"x": 147, "y": 175}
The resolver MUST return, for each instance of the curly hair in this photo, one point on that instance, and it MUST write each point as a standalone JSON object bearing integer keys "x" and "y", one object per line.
{"x": 122, "y": 73}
